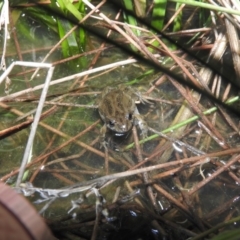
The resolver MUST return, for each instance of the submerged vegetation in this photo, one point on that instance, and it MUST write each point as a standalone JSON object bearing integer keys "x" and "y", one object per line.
{"x": 179, "y": 182}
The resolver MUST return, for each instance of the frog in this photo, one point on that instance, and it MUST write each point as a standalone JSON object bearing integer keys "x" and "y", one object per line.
{"x": 117, "y": 108}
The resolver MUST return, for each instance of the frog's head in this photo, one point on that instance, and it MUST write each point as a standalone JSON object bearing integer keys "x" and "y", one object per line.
{"x": 120, "y": 125}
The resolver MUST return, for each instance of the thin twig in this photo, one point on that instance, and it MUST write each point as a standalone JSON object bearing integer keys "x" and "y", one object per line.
{"x": 34, "y": 126}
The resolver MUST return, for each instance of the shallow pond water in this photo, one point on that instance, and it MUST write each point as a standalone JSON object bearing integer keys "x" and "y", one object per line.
{"x": 67, "y": 150}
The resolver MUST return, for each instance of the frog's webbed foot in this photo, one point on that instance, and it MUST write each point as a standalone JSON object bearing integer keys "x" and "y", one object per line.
{"x": 103, "y": 143}
{"x": 141, "y": 98}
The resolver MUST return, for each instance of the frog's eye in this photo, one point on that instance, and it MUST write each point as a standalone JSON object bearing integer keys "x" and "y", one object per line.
{"x": 130, "y": 116}
{"x": 111, "y": 123}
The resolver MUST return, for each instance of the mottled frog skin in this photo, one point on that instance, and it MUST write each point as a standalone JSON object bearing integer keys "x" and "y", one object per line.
{"x": 118, "y": 110}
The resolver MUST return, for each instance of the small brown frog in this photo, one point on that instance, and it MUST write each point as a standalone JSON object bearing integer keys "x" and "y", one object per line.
{"x": 118, "y": 110}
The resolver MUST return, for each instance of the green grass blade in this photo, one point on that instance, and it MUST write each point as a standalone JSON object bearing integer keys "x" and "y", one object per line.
{"x": 158, "y": 13}
{"x": 208, "y": 6}
{"x": 129, "y": 18}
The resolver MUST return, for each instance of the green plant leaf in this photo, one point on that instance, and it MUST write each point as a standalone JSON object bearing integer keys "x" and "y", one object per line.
{"x": 158, "y": 13}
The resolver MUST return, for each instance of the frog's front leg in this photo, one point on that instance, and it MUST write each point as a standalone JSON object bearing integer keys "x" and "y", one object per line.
{"x": 141, "y": 123}
{"x": 103, "y": 131}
